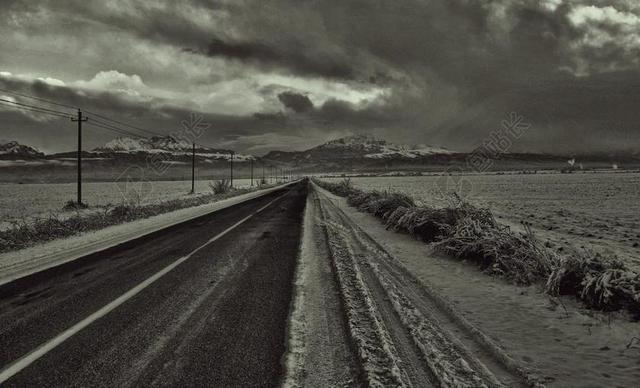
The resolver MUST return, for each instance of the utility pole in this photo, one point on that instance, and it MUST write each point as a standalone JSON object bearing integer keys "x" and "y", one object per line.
{"x": 262, "y": 181}
{"x": 193, "y": 169}
{"x": 251, "y": 160}
{"x": 80, "y": 119}
{"x": 232, "y": 153}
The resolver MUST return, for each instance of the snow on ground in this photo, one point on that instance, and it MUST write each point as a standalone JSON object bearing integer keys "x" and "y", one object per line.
{"x": 25, "y": 202}
{"x": 421, "y": 351}
{"x": 567, "y": 344}
{"x": 379, "y": 356}
{"x": 20, "y": 263}
{"x": 591, "y": 210}
{"x": 318, "y": 348}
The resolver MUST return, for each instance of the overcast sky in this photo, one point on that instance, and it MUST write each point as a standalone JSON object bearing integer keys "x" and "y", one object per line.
{"x": 290, "y": 74}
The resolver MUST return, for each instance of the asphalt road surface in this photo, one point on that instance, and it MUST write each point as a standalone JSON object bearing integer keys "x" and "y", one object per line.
{"x": 203, "y": 303}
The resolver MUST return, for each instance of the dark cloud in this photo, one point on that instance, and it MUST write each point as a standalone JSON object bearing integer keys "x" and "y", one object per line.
{"x": 451, "y": 69}
{"x": 242, "y": 51}
{"x": 297, "y": 102}
{"x": 281, "y": 57}
{"x": 55, "y": 134}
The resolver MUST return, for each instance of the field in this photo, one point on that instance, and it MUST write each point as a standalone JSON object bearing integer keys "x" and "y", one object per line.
{"x": 585, "y": 210}
{"x": 26, "y": 201}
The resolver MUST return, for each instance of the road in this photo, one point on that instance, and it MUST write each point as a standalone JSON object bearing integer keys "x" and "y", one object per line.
{"x": 203, "y": 303}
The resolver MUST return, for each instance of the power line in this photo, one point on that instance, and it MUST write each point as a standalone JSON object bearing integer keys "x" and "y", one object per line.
{"x": 132, "y": 126}
{"x": 37, "y": 107}
{"x": 126, "y": 131}
{"x": 129, "y": 132}
{"x": 33, "y": 109}
{"x": 104, "y": 125}
{"x": 113, "y": 129}
{"x": 123, "y": 123}
{"x": 38, "y": 99}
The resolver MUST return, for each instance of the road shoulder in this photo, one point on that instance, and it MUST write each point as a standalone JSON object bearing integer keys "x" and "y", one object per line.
{"x": 318, "y": 348}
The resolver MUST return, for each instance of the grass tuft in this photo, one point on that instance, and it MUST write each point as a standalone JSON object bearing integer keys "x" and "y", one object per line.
{"x": 601, "y": 282}
{"x": 220, "y": 186}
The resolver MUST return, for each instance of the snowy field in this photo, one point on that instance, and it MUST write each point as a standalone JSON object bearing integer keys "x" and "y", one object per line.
{"x": 24, "y": 201}
{"x": 592, "y": 210}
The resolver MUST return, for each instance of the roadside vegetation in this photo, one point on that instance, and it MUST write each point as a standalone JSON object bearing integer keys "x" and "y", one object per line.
{"x": 469, "y": 233}
{"x": 30, "y": 232}
{"x": 73, "y": 205}
{"x": 221, "y": 186}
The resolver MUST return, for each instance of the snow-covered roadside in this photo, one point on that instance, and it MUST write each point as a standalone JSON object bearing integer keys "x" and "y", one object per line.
{"x": 319, "y": 352}
{"x": 16, "y": 264}
{"x": 569, "y": 345}
{"x": 378, "y": 354}
{"x": 421, "y": 350}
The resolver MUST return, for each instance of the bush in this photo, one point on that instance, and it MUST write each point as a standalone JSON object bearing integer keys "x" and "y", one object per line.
{"x": 601, "y": 282}
{"x": 123, "y": 211}
{"x": 498, "y": 251}
{"x": 381, "y": 204}
{"x": 427, "y": 224}
{"x": 221, "y": 186}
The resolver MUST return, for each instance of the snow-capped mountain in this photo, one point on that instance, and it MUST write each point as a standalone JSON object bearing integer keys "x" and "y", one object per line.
{"x": 15, "y": 150}
{"x": 164, "y": 144}
{"x": 357, "y": 142}
{"x": 380, "y": 149}
{"x": 358, "y": 148}
{"x": 153, "y": 144}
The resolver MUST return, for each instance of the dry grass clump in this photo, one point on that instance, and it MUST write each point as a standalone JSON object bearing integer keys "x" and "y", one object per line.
{"x": 470, "y": 233}
{"x": 601, "y": 282}
{"x": 427, "y": 224}
{"x": 344, "y": 188}
{"x": 434, "y": 224}
{"x": 379, "y": 203}
{"x": 499, "y": 251}
{"x": 220, "y": 186}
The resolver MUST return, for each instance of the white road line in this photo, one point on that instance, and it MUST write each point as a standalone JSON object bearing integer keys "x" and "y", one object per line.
{"x": 45, "y": 348}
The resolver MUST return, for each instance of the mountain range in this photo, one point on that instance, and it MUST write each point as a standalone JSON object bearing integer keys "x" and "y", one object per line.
{"x": 347, "y": 153}
{"x": 15, "y": 150}
{"x": 122, "y": 146}
{"x": 361, "y": 148}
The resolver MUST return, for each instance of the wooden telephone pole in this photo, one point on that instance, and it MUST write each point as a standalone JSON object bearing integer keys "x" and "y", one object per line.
{"x": 80, "y": 119}
{"x": 193, "y": 169}
{"x": 251, "y": 160}
{"x": 232, "y": 153}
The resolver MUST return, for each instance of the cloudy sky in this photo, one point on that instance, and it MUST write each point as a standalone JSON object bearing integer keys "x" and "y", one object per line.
{"x": 290, "y": 74}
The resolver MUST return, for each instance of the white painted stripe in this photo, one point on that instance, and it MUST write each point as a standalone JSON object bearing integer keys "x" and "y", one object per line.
{"x": 45, "y": 348}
